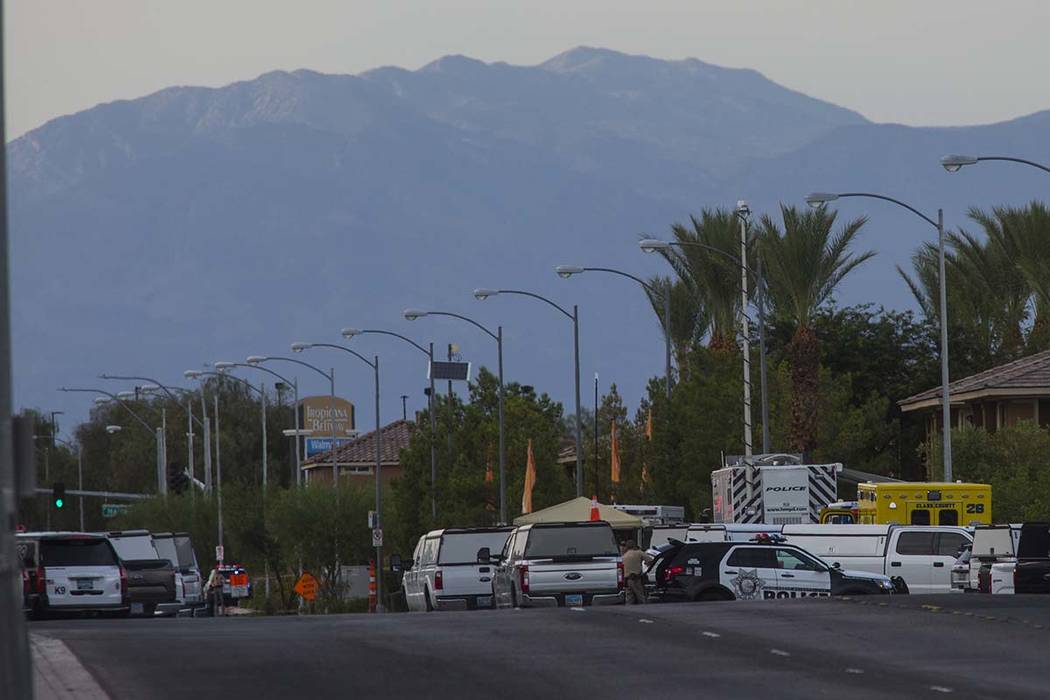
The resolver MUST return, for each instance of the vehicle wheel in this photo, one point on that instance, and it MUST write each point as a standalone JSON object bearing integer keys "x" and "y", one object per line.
{"x": 713, "y": 595}
{"x": 426, "y": 598}
{"x": 514, "y": 597}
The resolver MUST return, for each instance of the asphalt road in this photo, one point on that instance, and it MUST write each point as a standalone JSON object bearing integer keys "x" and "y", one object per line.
{"x": 893, "y": 647}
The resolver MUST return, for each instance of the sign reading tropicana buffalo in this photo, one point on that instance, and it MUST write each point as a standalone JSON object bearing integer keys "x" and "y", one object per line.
{"x": 324, "y": 416}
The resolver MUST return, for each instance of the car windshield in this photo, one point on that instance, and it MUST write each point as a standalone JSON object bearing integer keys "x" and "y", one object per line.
{"x": 77, "y": 552}
{"x": 555, "y": 542}
{"x": 184, "y": 549}
{"x": 462, "y": 547}
{"x": 133, "y": 547}
{"x": 166, "y": 549}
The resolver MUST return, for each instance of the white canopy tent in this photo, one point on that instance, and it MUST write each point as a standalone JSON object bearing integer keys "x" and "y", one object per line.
{"x": 579, "y": 509}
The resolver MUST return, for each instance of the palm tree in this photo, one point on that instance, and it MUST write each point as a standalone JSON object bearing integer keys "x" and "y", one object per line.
{"x": 804, "y": 264}
{"x": 715, "y": 278}
{"x": 689, "y": 318}
{"x": 1023, "y": 238}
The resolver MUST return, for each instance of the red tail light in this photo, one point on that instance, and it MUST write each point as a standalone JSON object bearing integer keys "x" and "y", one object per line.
{"x": 619, "y": 575}
{"x": 672, "y": 571}
{"x": 41, "y": 581}
{"x": 523, "y": 575}
{"x": 123, "y": 582}
{"x": 439, "y": 582}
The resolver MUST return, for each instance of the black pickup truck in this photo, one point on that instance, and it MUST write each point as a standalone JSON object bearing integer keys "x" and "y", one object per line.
{"x": 151, "y": 579}
{"x": 1032, "y": 574}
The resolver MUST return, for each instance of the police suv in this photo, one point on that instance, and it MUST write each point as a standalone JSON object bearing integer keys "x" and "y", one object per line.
{"x": 763, "y": 569}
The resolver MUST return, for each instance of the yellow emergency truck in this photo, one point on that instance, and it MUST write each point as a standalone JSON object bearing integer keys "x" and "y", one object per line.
{"x": 924, "y": 503}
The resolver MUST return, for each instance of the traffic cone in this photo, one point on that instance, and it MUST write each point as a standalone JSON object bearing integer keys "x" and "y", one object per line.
{"x": 372, "y": 586}
{"x": 595, "y": 515}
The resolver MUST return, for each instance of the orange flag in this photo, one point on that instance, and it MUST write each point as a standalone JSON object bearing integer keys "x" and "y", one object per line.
{"x": 490, "y": 499}
{"x": 530, "y": 482}
{"x": 648, "y": 436}
{"x": 615, "y": 455}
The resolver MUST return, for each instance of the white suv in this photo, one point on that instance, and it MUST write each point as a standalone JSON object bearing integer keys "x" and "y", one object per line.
{"x": 450, "y": 569}
{"x": 76, "y": 572}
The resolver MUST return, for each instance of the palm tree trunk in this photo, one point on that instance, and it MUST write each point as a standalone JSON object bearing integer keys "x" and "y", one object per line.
{"x": 805, "y": 378}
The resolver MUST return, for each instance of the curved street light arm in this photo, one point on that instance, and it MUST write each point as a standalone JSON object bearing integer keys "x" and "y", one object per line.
{"x": 234, "y": 377}
{"x": 730, "y": 256}
{"x": 264, "y": 369}
{"x": 137, "y": 417}
{"x": 628, "y": 275}
{"x": 167, "y": 390}
{"x": 411, "y": 342}
{"x": 899, "y": 203}
{"x": 345, "y": 349}
{"x": 536, "y": 296}
{"x": 464, "y": 318}
{"x": 324, "y": 374}
{"x": 1015, "y": 160}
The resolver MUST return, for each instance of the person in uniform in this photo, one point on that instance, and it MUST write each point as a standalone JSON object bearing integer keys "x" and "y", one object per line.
{"x": 633, "y": 560}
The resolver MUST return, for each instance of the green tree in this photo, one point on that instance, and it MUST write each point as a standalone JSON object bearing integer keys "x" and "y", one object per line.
{"x": 805, "y": 261}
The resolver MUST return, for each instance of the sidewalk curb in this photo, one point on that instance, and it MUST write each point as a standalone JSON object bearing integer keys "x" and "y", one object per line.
{"x": 58, "y": 675}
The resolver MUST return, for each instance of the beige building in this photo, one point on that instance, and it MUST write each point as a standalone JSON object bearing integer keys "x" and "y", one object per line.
{"x": 356, "y": 459}
{"x": 993, "y": 399}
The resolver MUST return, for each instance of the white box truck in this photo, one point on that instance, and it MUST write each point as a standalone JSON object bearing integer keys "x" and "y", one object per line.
{"x": 773, "y": 489}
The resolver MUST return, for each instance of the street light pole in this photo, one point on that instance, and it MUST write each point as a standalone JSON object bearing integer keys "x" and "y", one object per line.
{"x": 349, "y": 333}
{"x": 482, "y": 294}
{"x": 567, "y": 271}
{"x": 374, "y": 364}
{"x": 819, "y": 200}
{"x": 162, "y": 482}
{"x": 412, "y": 315}
{"x": 257, "y": 360}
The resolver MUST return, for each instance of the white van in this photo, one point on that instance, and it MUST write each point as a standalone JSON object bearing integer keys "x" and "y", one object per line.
{"x": 76, "y": 572}
{"x": 919, "y": 554}
{"x": 450, "y": 569}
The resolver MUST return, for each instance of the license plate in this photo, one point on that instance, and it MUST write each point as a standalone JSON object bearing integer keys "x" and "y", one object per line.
{"x": 136, "y": 609}
{"x": 484, "y": 601}
{"x": 574, "y": 600}
{"x": 84, "y": 584}
{"x": 238, "y": 591}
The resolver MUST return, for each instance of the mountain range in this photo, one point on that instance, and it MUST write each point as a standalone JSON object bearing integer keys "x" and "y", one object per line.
{"x": 192, "y": 225}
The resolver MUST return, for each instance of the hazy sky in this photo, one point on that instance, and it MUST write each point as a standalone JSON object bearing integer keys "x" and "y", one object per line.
{"x": 911, "y": 61}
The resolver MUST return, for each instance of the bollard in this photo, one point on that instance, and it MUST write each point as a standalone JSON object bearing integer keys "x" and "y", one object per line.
{"x": 372, "y": 586}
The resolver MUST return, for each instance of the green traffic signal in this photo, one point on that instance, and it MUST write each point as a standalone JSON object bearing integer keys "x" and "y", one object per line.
{"x": 59, "y": 503}
{"x": 58, "y": 495}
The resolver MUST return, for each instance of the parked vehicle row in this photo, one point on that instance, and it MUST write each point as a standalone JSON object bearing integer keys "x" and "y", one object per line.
{"x": 116, "y": 573}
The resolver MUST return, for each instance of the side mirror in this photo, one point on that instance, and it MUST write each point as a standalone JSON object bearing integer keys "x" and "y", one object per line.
{"x": 836, "y": 565}
{"x": 484, "y": 556}
{"x": 395, "y": 563}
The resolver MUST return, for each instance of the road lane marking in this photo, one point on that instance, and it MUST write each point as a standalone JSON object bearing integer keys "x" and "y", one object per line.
{"x": 779, "y": 652}
{"x": 712, "y": 635}
{"x": 940, "y": 689}
{"x": 856, "y": 671}
{"x": 577, "y": 609}
{"x": 645, "y": 621}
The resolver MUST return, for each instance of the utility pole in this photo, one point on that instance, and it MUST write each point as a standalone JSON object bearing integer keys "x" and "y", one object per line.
{"x": 743, "y": 211}
{"x": 597, "y": 473}
{"x": 15, "y": 668}
{"x": 404, "y": 407}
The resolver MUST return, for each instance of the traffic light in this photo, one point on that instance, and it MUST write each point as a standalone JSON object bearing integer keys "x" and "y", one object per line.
{"x": 178, "y": 480}
{"x": 58, "y": 495}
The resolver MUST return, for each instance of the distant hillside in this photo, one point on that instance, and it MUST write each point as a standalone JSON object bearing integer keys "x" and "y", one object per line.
{"x": 199, "y": 224}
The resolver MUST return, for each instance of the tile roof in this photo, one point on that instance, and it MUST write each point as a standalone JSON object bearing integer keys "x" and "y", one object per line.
{"x": 1032, "y": 372}
{"x": 361, "y": 450}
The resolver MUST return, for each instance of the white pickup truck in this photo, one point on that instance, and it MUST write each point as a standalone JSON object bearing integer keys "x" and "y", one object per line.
{"x": 451, "y": 569}
{"x": 559, "y": 564}
{"x": 921, "y": 555}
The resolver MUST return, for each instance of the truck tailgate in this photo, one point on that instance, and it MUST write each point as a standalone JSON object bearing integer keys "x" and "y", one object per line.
{"x": 466, "y": 579}
{"x": 573, "y": 576}
{"x": 150, "y": 581}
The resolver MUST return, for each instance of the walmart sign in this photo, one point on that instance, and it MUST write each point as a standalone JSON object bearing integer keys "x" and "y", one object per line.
{"x": 319, "y": 445}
